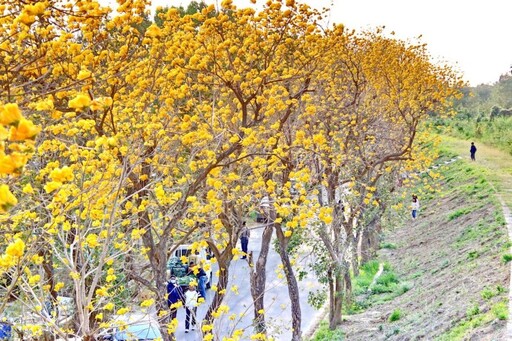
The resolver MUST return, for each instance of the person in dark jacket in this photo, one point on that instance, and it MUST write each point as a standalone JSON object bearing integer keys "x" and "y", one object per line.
{"x": 202, "y": 278}
{"x": 472, "y": 151}
{"x": 174, "y": 295}
{"x": 244, "y": 239}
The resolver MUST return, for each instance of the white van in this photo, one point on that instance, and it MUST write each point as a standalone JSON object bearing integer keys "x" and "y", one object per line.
{"x": 200, "y": 257}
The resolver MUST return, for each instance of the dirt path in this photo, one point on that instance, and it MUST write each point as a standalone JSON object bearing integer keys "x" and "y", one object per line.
{"x": 497, "y": 163}
{"x": 499, "y": 167}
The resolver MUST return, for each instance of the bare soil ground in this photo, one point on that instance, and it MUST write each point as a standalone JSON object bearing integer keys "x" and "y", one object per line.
{"x": 451, "y": 255}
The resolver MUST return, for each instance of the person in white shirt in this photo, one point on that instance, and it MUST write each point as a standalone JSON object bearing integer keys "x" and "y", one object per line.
{"x": 415, "y": 206}
{"x": 191, "y": 298}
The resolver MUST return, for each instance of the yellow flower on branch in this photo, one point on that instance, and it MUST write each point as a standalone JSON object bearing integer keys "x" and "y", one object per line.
{"x": 62, "y": 174}
{"x": 44, "y": 105}
{"x": 34, "y": 279}
{"x": 102, "y": 292}
{"x": 7, "y": 199}
{"x": 27, "y": 189}
{"x": 24, "y": 131}
{"x": 109, "y": 306}
{"x": 147, "y": 303}
{"x": 10, "y": 114}
{"x": 6, "y": 165}
{"x": 92, "y": 240}
{"x": 123, "y": 311}
{"x": 16, "y": 249}
{"x": 80, "y": 101}
{"x": 83, "y": 74}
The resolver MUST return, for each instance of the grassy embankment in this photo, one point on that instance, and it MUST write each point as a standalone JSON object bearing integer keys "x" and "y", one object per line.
{"x": 445, "y": 274}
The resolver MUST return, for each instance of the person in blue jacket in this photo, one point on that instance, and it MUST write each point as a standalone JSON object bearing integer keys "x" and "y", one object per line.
{"x": 472, "y": 151}
{"x": 201, "y": 276}
{"x": 174, "y": 295}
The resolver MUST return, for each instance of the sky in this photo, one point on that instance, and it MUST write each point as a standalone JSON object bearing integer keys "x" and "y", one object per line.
{"x": 473, "y": 36}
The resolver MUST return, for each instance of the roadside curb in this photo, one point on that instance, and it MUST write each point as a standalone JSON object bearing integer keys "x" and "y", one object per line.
{"x": 306, "y": 335}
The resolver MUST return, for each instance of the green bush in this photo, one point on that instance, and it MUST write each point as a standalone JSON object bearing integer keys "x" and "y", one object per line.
{"x": 507, "y": 258}
{"x": 395, "y": 315}
{"x": 387, "y": 279}
{"x": 390, "y": 246}
{"x": 500, "y": 310}
{"x": 365, "y": 278}
{"x": 458, "y": 213}
{"x": 473, "y": 311}
{"x": 323, "y": 333}
{"x": 487, "y": 293}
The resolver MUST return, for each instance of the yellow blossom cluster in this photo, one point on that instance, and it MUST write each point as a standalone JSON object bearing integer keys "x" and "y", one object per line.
{"x": 16, "y": 147}
{"x": 169, "y": 132}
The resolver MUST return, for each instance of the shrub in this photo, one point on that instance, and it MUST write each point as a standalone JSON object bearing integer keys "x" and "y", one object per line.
{"x": 500, "y": 310}
{"x": 507, "y": 258}
{"x": 325, "y": 334}
{"x": 387, "y": 279}
{"x": 487, "y": 293}
{"x": 473, "y": 311}
{"x": 395, "y": 315}
{"x": 390, "y": 246}
{"x": 458, "y": 213}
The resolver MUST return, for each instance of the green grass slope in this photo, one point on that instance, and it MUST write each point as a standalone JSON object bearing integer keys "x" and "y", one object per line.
{"x": 449, "y": 271}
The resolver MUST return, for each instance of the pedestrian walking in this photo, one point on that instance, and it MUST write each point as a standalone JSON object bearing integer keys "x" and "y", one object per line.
{"x": 415, "y": 205}
{"x": 245, "y": 233}
{"x": 174, "y": 295}
{"x": 472, "y": 151}
{"x": 201, "y": 276}
{"x": 191, "y": 302}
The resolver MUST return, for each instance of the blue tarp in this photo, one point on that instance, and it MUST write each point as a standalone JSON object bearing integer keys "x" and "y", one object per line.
{"x": 5, "y": 331}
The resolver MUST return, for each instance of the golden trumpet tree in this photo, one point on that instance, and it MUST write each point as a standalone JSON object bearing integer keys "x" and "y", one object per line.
{"x": 250, "y": 71}
{"x": 371, "y": 102}
{"x": 159, "y": 135}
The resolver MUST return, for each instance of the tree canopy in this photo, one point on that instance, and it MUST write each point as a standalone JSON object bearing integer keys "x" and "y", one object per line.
{"x": 172, "y": 134}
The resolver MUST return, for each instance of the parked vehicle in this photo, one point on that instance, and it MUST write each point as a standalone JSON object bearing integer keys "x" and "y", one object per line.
{"x": 180, "y": 270}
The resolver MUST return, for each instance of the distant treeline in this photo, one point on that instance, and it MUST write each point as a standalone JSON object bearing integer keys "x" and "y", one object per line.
{"x": 486, "y": 101}
{"x": 484, "y": 113}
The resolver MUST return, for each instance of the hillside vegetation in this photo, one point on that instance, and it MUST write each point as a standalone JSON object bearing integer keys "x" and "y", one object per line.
{"x": 445, "y": 275}
{"x": 484, "y": 113}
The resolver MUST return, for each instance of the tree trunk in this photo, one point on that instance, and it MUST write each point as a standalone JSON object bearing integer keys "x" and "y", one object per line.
{"x": 355, "y": 260}
{"x": 348, "y": 287}
{"x": 258, "y": 280}
{"x": 364, "y": 246}
{"x": 293, "y": 287}
{"x": 336, "y": 300}
{"x": 221, "y": 285}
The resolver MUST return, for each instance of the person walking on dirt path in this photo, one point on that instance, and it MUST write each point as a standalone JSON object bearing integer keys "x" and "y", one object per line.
{"x": 415, "y": 205}
{"x": 472, "y": 151}
{"x": 244, "y": 239}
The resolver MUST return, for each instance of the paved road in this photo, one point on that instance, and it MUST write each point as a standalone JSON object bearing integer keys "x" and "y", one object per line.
{"x": 277, "y": 302}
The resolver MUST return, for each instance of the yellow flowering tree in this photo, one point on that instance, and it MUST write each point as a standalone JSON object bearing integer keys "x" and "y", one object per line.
{"x": 250, "y": 73}
{"x": 156, "y": 135}
{"x": 370, "y": 106}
